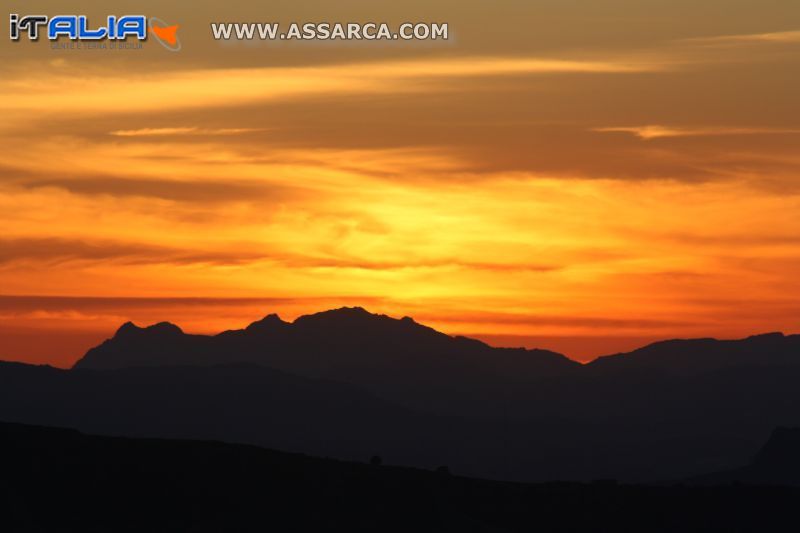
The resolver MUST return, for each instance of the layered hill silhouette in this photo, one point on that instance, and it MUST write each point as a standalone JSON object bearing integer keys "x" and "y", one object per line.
{"x": 251, "y": 404}
{"x": 66, "y": 481}
{"x": 776, "y": 464}
{"x": 350, "y": 384}
{"x": 400, "y": 360}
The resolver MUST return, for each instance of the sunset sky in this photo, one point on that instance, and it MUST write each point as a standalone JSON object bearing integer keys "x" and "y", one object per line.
{"x": 584, "y": 176}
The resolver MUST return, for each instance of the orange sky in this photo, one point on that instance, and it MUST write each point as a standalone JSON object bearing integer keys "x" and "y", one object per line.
{"x": 580, "y": 176}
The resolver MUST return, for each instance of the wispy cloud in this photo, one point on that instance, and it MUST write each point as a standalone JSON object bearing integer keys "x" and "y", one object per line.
{"x": 236, "y": 87}
{"x": 488, "y": 66}
{"x": 156, "y": 132}
{"x": 650, "y": 132}
{"x": 203, "y": 192}
{"x": 770, "y": 37}
{"x": 56, "y": 250}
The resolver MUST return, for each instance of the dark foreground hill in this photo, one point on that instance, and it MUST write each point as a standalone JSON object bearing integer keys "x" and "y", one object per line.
{"x": 61, "y": 480}
{"x": 777, "y": 463}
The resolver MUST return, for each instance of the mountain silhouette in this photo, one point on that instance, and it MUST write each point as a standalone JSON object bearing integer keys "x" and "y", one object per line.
{"x": 400, "y": 360}
{"x": 332, "y": 343}
{"x": 346, "y": 383}
{"x": 66, "y": 481}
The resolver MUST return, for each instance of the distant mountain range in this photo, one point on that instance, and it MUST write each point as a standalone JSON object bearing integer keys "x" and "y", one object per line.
{"x": 62, "y": 480}
{"x": 350, "y": 384}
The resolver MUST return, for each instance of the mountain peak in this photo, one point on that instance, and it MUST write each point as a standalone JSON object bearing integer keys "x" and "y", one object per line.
{"x": 270, "y": 321}
{"x": 382, "y": 329}
{"x": 164, "y": 327}
{"x": 345, "y": 311}
{"x": 340, "y": 315}
{"x": 129, "y": 329}
{"x": 126, "y": 329}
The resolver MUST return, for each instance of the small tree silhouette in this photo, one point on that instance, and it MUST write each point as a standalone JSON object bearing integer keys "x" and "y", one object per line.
{"x": 376, "y": 460}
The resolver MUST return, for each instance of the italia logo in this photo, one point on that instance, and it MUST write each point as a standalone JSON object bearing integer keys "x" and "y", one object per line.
{"x": 78, "y": 28}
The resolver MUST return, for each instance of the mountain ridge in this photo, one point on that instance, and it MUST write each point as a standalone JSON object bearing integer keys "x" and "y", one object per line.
{"x": 703, "y": 354}
{"x": 414, "y": 365}
{"x": 273, "y": 321}
{"x": 345, "y": 344}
